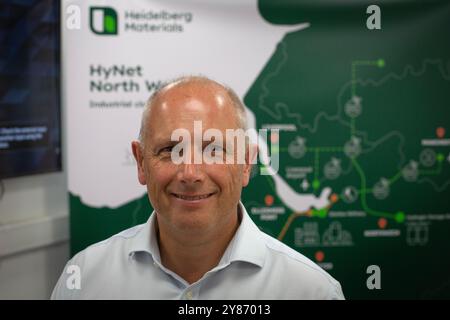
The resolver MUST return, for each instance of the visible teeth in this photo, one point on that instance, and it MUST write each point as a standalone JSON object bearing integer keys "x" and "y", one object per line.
{"x": 192, "y": 198}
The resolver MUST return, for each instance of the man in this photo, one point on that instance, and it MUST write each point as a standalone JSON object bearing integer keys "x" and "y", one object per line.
{"x": 200, "y": 242}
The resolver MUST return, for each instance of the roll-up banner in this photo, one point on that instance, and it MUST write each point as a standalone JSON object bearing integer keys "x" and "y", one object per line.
{"x": 358, "y": 92}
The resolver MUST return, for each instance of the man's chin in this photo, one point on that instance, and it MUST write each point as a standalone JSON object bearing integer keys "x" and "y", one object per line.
{"x": 196, "y": 221}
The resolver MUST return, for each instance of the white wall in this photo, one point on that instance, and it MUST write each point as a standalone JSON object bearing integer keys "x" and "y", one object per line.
{"x": 34, "y": 233}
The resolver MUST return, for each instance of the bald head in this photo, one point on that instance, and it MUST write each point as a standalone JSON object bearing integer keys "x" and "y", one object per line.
{"x": 185, "y": 93}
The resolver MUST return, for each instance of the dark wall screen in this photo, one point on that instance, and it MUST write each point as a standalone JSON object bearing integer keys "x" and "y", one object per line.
{"x": 30, "y": 139}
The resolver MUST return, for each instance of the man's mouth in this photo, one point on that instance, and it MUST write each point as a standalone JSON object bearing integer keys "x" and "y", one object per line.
{"x": 193, "y": 197}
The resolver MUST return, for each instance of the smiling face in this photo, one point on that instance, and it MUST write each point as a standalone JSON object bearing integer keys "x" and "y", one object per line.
{"x": 190, "y": 197}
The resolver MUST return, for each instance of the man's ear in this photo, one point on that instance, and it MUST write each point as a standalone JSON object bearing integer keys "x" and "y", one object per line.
{"x": 139, "y": 157}
{"x": 250, "y": 160}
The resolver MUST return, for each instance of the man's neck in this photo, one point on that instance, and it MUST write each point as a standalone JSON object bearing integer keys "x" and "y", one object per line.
{"x": 192, "y": 256}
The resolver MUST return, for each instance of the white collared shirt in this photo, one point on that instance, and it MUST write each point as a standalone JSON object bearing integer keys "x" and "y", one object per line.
{"x": 254, "y": 266}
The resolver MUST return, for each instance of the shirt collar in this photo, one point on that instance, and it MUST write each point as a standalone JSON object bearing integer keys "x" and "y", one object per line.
{"x": 146, "y": 240}
{"x": 247, "y": 244}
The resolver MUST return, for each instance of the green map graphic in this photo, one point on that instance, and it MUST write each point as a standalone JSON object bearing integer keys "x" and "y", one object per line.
{"x": 363, "y": 103}
{"x": 364, "y": 114}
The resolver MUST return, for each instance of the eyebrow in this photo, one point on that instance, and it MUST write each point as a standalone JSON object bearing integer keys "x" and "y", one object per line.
{"x": 162, "y": 143}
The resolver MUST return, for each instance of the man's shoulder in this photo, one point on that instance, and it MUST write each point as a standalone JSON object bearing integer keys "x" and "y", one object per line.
{"x": 96, "y": 265}
{"x": 283, "y": 251}
{"x": 297, "y": 267}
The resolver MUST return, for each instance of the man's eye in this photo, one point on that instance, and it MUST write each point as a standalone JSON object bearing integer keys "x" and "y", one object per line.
{"x": 217, "y": 148}
{"x": 166, "y": 149}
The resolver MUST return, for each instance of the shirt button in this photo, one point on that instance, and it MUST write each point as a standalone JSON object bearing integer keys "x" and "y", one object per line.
{"x": 189, "y": 295}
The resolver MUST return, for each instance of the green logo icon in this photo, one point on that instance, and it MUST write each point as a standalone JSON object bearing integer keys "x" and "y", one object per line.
{"x": 103, "y": 20}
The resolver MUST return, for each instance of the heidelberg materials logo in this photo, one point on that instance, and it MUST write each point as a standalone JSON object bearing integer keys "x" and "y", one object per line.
{"x": 103, "y": 20}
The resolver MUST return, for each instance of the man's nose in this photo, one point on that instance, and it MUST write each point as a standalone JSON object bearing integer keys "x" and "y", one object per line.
{"x": 190, "y": 173}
